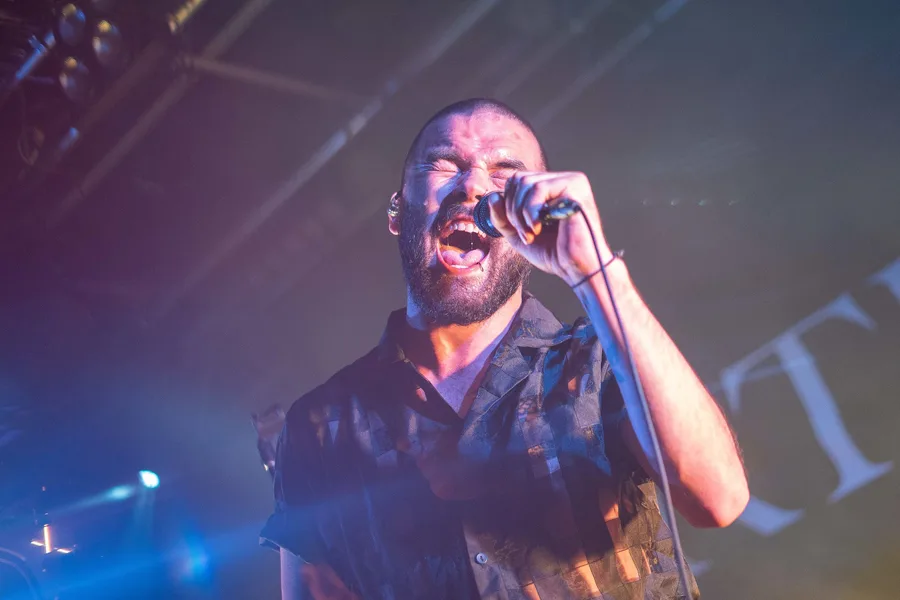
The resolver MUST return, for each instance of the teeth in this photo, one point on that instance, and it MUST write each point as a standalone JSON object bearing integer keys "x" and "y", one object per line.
{"x": 465, "y": 226}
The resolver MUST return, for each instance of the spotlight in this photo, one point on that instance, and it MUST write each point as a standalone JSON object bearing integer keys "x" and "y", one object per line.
{"x": 120, "y": 492}
{"x": 75, "y": 80}
{"x": 108, "y": 45}
{"x": 71, "y": 24}
{"x": 149, "y": 479}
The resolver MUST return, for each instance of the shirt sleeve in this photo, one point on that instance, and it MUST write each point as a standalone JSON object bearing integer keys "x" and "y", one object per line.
{"x": 294, "y": 523}
{"x": 613, "y": 414}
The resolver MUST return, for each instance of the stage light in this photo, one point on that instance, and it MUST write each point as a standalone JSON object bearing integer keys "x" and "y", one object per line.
{"x": 108, "y": 45}
{"x": 120, "y": 492}
{"x": 149, "y": 479}
{"x": 75, "y": 80}
{"x": 177, "y": 19}
{"x": 71, "y": 24}
{"x": 195, "y": 563}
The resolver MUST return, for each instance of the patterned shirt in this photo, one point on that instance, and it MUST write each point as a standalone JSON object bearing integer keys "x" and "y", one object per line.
{"x": 530, "y": 495}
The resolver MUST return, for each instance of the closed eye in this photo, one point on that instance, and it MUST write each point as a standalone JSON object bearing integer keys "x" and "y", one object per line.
{"x": 441, "y": 166}
{"x": 444, "y": 165}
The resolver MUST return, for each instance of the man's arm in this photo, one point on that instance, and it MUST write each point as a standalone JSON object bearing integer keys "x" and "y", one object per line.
{"x": 292, "y": 587}
{"x": 303, "y": 581}
{"x": 702, "y": 460}
{"x": 699, "y": 452}
{"x": 292, "y": 527}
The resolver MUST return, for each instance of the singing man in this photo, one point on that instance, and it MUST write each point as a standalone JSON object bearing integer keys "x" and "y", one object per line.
{"x": 483, "y": 450}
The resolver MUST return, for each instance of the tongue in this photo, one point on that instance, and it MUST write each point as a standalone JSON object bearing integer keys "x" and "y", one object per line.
{"x": 458, "y": 258}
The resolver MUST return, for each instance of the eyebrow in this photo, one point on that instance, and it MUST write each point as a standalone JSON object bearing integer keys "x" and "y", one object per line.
{"x": 449, "y": 154}
{"x": 511, "y": 163}
{"x": 444, "y": 153}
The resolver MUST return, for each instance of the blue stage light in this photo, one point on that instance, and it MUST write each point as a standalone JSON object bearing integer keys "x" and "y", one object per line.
{"x": 149, "y": 479}
{"x": 120, "y": 492}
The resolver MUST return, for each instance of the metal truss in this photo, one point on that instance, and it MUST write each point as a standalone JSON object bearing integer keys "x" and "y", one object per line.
{"x": 541, "y": 55}
{"x": 145, "y": 123}
{"x": 363, "y": 110}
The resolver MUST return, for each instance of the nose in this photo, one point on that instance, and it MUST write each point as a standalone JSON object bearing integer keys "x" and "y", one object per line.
{"x": 475, "y": 184}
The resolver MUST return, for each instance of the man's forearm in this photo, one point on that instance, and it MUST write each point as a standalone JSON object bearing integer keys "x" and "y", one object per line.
{"x": 292, "y": 587}
{"x": 301, "y": 581}
{"x": 701, "y": 457}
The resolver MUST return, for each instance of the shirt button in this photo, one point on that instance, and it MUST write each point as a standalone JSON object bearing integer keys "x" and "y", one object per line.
{"x": 481, "y": 558}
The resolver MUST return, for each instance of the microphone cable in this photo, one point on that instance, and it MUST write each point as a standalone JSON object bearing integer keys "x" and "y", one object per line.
{"x": 559, "y": 210}
{"x": 645, "y": 407}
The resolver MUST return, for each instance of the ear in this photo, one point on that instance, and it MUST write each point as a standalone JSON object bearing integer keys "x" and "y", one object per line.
{"x": 393, "y": 213}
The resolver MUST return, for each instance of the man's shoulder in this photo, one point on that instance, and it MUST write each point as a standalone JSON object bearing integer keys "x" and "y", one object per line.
{"x": 578, "y": 335}
{"x": 577, "y": 343}
{"x": 325, "y": 400}
{"x": 582, "y": 330}
{"x": 539, "y": 327}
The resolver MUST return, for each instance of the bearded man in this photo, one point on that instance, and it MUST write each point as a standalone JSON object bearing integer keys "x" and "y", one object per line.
{"x": 483, "y": 449}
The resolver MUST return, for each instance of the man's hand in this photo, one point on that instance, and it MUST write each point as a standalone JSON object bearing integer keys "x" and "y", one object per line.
{"x": 703, "y": 462}
{"x": 564, "y": 250}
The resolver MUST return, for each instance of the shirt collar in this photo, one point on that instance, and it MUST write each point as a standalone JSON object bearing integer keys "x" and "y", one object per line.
{"x": 534, "y": 327}
{"x": 537, "y": 327}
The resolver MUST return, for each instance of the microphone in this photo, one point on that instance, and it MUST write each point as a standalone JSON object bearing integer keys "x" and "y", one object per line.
{"x": 556, "y": 210}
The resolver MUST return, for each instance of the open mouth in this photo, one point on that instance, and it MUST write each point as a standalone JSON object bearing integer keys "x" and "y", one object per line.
{"x": 462, "y": 245}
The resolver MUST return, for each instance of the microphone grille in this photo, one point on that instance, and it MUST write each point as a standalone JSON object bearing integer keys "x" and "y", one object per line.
{"x": 482, "y": 216}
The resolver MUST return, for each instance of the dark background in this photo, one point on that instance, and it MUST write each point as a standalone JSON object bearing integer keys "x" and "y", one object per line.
{"x": 745, "y": 154}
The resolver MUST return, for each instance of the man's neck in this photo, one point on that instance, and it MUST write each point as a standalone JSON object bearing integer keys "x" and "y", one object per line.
{"x": 440, "y": 351}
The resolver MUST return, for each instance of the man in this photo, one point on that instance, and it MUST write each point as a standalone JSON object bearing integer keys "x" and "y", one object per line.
{"x": 482, "y": 449}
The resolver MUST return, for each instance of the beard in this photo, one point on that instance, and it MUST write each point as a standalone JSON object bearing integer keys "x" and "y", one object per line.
{"x": 446, "y": 299}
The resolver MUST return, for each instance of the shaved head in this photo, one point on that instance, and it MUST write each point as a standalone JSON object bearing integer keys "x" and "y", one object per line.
{"x": 468, "y": 107}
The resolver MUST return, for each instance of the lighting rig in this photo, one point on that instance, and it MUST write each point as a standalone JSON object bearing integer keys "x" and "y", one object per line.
{"x": 48, "y": 566}
{"x": 65, "y": 64}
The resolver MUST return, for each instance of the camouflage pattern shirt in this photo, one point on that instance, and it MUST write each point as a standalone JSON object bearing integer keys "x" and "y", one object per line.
{"x": 530, "y": 495}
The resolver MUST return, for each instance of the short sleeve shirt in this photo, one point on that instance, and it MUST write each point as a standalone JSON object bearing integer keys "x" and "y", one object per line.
{"x": 530, "y": 495}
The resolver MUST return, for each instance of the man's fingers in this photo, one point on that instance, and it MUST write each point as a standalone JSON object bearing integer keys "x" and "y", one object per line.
{"x": 526, "y": 220}
{"x": 534, "y": 198}
{"x": 514, "y": 218}
{"x": 503, "y": 214}
{"x": 529, "y": 203}
{"x": 499, "y": 220}
{"x": 526, "y": 195}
